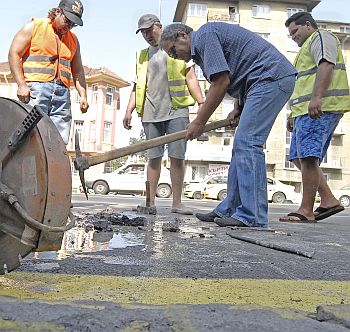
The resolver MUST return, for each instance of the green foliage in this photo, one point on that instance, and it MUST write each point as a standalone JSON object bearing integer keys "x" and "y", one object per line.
{"x": 142, "y": 156}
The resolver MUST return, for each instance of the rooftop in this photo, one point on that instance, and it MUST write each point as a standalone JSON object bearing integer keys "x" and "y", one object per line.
{"x": 91, "y": 74}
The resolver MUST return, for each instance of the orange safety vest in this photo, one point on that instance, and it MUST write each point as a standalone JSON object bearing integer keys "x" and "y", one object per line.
{"x": 45, "y": 56}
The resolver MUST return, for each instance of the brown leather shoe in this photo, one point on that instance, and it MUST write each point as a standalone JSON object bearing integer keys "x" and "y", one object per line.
{"x": 207, "y": 217}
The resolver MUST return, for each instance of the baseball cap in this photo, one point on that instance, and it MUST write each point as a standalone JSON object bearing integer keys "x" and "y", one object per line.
{"x": 146, "y": 21}
{"x": 73, "y": 10}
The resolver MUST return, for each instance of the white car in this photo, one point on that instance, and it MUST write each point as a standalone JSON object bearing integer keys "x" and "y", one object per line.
{"x": 128, "y": 179}
{"x": 195, "y": 190}
{"x": 277, "y": 192}
{"x": 343, "y": 195}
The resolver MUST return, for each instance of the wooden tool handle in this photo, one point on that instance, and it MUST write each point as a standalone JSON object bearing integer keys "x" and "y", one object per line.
{"x": 151, "y": 143}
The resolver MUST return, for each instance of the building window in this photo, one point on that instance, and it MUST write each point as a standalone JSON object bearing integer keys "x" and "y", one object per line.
{"x": 109, "y": 95}
{"x": 232, "y": 12}
{"x": 287, "y": 163}
{"x": 322, "y": 26}
{"x": 94, "y": 93}
{"x": 197, "y": 9}
{"x": 345, "y": 29}
{"x": 262, "y": 11}
{"x": 107, "y": 132}
{"x": 288, "y": 137}
{"x": 198, "y": 173}
{"x": 292, "y": 11}
{"x": 72, "y": 167}
{"x": 78, "y": 127}
{"x": 92, "y": 132}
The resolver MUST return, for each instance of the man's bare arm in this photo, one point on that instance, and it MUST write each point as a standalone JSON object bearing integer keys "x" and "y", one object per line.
{"x": 19, "y": 45}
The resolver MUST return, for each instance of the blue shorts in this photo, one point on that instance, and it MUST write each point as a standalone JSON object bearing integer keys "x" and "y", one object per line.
{"x": 176, "y": 149}
{"x": 311, "y": 137}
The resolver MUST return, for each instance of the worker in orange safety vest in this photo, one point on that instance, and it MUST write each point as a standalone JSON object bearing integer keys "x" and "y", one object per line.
{"x": 44, "y": 57}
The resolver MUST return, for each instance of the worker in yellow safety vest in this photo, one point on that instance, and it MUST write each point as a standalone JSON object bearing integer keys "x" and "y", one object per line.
{"x": 320, "y": 98}
{"x": 44, "y": 57}
{"x": 163, "y": 90}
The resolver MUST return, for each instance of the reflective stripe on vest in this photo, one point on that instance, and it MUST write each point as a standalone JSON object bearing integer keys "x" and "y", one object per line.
{"x": 336, "y": 98}
{"x": 42, "y": 61}
{"x": 178, "y": 90}
{"x": 329, "y": 93}
{"x": 314, "y": 70}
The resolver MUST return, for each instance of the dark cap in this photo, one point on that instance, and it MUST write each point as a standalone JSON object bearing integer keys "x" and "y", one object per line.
{"x": 73, "y": 10}
{"x": 146, "y": 21}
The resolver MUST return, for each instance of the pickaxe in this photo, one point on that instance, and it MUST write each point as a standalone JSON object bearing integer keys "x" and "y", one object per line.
{"x": 82, "y": 163}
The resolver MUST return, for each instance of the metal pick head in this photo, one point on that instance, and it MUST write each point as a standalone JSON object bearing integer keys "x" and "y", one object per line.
{"x": 77, "y": 165}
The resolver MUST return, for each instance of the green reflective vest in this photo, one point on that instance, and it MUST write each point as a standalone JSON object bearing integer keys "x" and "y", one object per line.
{"x": 336, "y": 99}
{"x": 176, "y": 70}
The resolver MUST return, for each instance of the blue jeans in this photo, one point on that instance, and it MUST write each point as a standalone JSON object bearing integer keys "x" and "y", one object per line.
{"x": 246, "y": 198}
{"x": 54, "y": 100}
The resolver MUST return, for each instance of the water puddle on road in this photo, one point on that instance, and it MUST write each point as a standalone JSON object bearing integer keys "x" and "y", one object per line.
{"x": 98, "y": 233}
{"x": 77, "y": 240}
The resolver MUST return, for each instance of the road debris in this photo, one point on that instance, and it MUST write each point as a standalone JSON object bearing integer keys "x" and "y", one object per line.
{"x": 273, "y": 241}
{"x": 105, "y": 220}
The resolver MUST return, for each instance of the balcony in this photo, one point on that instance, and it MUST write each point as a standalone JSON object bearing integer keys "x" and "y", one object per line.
{"x": 219, "y": 16}
{"x": 332, "y": 164}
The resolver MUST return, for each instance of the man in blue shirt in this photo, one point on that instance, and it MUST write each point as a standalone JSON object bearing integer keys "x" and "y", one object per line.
{"x": 238, "y": 62}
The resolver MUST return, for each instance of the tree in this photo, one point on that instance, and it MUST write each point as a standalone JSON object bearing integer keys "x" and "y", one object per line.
{"x": 141, "y": 156}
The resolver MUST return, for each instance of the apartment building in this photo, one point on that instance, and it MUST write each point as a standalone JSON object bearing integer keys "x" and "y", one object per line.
{"x": 96, "y": 128}
{"x": 266, "y": 18}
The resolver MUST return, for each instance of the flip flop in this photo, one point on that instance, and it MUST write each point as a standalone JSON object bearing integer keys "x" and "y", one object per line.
{"x": 302, "y": 219}
{"x": 324, "y": 213}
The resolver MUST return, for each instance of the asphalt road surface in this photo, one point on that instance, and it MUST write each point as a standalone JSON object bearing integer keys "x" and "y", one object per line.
{"x": 193, "y": 276}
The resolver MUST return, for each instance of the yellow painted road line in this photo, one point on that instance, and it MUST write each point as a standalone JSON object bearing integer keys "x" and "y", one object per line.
{"x": 294, "y": 294}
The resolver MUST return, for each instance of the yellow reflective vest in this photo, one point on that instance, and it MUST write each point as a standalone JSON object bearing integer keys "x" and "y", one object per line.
{"x": 176, "y": 70}
{"x": 336, "y": 99}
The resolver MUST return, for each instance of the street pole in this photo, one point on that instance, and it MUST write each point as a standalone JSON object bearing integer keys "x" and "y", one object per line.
{"x": 160, "y": 10}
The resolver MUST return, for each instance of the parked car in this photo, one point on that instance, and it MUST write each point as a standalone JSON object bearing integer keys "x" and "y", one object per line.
{"x": 128, "y": 179}
{"x": 216, "y": 188}
{"x": 277, "y": 192}
{"x": 195, "y": 190}
{"x": 343, "y": 195}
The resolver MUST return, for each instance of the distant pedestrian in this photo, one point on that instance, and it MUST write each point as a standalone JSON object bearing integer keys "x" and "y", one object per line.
{"x": 320, "y": 98}
{"x": 44, "y": 57}
{"x": 238, "y": 62}
{"x": 163, "y": 91}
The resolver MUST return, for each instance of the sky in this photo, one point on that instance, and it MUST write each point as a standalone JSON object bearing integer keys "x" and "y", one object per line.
{"x": 108, "y": 37}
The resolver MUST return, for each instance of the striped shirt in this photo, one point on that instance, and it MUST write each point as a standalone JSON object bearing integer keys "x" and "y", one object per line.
{"x": 324, "y": 46}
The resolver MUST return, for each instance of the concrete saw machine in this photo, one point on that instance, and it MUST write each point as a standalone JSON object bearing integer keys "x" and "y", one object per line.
{"x": 36, "y": 183}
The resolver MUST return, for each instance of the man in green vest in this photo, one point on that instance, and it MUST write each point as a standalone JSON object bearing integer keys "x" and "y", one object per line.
{"x": 163, "y": 91}
{"x": 320, "y": 98}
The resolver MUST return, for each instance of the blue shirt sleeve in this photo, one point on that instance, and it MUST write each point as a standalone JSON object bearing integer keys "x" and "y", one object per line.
{"x": 212, "y": 55}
